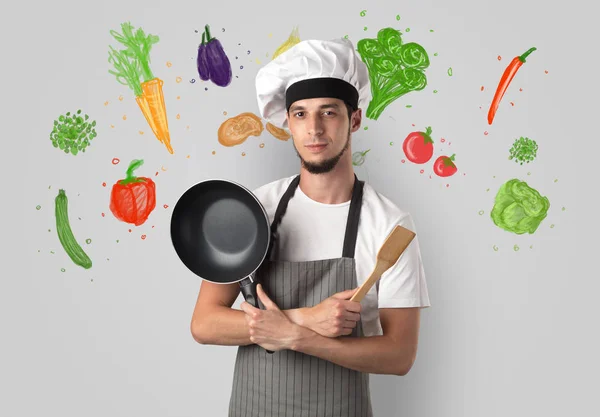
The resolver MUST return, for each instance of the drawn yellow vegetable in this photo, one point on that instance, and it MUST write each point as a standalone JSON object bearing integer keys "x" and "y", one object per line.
{"x": 292, "y": 40}
{"x": 279, "y": 133}
{"x": 236, "y": 130}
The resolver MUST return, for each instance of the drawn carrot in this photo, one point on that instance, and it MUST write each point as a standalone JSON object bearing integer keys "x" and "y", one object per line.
{"x": 507, "y": 77}
{"x": 132, "y": 68}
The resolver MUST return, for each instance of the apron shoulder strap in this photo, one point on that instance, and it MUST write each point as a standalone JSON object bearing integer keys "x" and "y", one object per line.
{"x": 353, "y": 219}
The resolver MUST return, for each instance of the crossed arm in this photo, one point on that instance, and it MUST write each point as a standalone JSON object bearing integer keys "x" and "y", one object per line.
{"x": 302, "y": 330}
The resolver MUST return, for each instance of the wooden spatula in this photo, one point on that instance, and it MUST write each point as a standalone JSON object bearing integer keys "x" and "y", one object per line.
{"x": 396, "y": 242}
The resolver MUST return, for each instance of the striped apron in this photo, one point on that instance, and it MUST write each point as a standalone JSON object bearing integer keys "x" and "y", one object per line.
{"x": 289, "y": 383}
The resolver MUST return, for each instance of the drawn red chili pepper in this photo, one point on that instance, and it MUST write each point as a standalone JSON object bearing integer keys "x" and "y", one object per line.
{"x": 507, "y": 77}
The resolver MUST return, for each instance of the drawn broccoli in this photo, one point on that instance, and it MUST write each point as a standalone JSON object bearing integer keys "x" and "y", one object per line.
{"x": 72, "y": 132}
{"x": 395, "y": 69}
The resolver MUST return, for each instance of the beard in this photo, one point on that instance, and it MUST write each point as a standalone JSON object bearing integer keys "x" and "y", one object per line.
{"x": 326, "y": 165}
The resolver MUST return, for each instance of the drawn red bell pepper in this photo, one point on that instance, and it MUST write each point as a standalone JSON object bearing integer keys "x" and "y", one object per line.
{"x": 132, "y": 199}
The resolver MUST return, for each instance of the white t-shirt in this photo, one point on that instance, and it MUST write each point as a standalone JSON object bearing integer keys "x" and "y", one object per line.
{"x": 311, "y": 231}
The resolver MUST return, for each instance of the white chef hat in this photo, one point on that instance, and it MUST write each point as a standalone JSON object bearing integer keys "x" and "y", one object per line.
{"x": 310, "y": 69}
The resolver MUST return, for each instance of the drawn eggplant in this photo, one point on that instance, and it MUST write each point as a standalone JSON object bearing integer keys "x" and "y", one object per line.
{"x": 213, "y": 64}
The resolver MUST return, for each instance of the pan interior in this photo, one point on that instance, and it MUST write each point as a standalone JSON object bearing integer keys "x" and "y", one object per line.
{"x": 219, "y": 231}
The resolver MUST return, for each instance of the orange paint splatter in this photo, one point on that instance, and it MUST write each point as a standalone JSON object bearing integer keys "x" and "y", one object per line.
{"x": 169, "y": 64}
{"x": 104, "y": 184}
{"x": 153, "y": 226}
{"x": 178, "y": 79}
{"x": 188, "y": 127}
{"x": 165, "y": 206}
{"x": 447, "y": 185}
{"x": 129, "y": 230}
{"x": 243, "y": 153}
{"x": 403, "y": 161}
{"x": 106, "y": 103}
{"x": 413, "y": 124}
{"x": 102, "y": 214}
{"x": 422, "y": 171}
{"x": 520, "y": 89}
{"x": 224, "y": 113}
{"x": 124, "y": 117}
{"x": 213, "y": 152}
{"x": 115, "y": 161}
{"x": 112, "y": 126}
{"x": 546, "y": 71}
{"x": 163, "y": 168}
{"x": 485, "y": 133}
{"x": 143, "y": 237}
{"x": 141, "y": 132}
{"x": 178, "y": 97}
{"x": 156, "y": 173}
{"x": 481, "y": 88}
{"x": 512, "y": 104}
{"x": 262, "y": 145}
{"x": 442, "y": 140}
{"x": 120, "y": 98}
{"x": 188, "y": 157}
{"x": 499, "y": 58}
{"x": 178, "y": 116}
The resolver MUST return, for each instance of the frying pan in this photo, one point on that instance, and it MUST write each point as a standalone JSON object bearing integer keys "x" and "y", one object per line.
{"x": 221, "y": 232}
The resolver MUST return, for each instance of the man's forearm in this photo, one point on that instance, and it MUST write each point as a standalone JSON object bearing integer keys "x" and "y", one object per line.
{"x": 374, "y": 354}
{"x": 226, "y": 326}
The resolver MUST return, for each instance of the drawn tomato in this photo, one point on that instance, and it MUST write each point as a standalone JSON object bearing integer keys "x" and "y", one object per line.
{"x": 418, "y": 146}
{"x": 444, "y": 166}
{"x": 132, "y": 199}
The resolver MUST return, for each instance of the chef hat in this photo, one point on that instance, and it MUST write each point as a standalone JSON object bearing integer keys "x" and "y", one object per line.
{"x": 310, "y": 69}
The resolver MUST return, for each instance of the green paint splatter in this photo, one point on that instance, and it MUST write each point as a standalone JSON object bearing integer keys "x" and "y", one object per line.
{"x": 365, "y": 29}
{"x": 481, "y": 212}
{"x": 435, "y": 91}
{"x": 431, "y": 30}
{"x": 516, "y": 248}
{"x": 519, "y": 208}
{"x": 397, "y": 17}
{"x": 63, "y": 269}
{"x": 117, "y": 240}
{"x": 551, "y": 226}
{"x": 435, "y": 54}
{"x": 487, "y": 189}
{"x": 531, "y": 247}
{"x": 88, "y": 241}
{"x": 556, "y": 180}
{"x": 346, "y": 36}
{"x": 48, "y": 229}
{"x": 363, "y": 13}
{"x": 366, "y": 127}
{"x": 38, "y": 207}
{"x": 564, "y": 208}
{"x": 408, "y": 106}
{"x": 450, "y": 72}
{"x": 407, "y": 29}
{"x": 52, "y": 252}
{"x": 495, "y": 248}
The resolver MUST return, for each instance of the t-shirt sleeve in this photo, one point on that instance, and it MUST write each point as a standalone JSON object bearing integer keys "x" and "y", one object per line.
{"x": 404, "y": 284}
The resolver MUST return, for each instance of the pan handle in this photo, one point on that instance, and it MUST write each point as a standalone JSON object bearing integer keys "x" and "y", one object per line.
{"x": 248, "y": 288}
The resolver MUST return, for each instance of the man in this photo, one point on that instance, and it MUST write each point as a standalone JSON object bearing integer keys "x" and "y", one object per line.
{"x": 328, "y": 227}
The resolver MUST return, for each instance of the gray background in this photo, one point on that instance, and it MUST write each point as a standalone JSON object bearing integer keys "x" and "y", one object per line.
{"x": 509, "y": 332}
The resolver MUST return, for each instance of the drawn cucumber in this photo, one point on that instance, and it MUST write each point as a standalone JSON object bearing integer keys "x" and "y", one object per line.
{"x": 65, "y": 235}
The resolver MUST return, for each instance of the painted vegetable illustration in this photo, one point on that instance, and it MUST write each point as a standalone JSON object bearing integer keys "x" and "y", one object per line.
{"x": 519, "y": 208}
{"x": 395, "y": 69}
{"x": 278, "y": 132}
{"x": 212, "y": 62}
{"x": 507, "y": 76}
{"x": 418, "y": 146}
{"x": 236, "y": 130}
{"x": 292, "y": 40}
{"x": 132, "y": 68}
{"x": 523, "y": 150}
{"x": 65, "y": 234}
{"x": 444, "y": 166}
{"x": 358, "y": 157}
{"x": 72, "y": 133}
{"x": 132, "y": 199}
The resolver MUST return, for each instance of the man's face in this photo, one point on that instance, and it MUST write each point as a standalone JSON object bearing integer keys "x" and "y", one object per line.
{"x": 321, "y": 132}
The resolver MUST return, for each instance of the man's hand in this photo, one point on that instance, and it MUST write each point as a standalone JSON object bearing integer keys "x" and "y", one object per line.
{"x": 270, "y": 328}
{"x": 335, "y": 316}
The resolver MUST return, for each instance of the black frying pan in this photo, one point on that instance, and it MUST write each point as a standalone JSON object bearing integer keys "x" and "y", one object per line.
{"x": 221, "y": 232}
